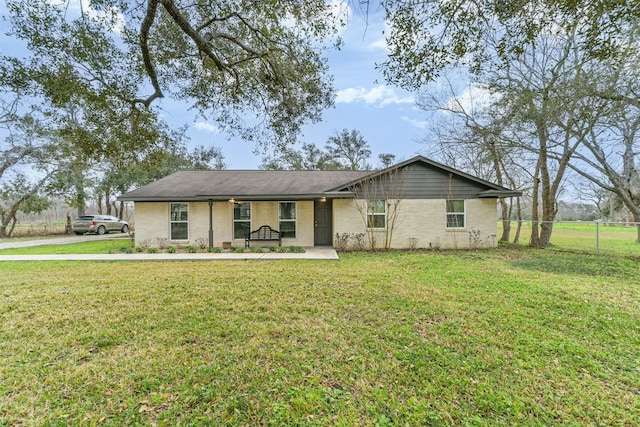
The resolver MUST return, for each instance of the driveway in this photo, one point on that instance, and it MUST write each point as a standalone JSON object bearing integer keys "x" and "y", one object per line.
{"x": 8, "y": 244}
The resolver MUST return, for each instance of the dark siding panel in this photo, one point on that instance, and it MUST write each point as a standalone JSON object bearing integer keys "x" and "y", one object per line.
{"x": 418, "y": 181}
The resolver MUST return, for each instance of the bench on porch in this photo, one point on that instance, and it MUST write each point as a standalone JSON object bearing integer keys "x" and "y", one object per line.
{"x": 263, "y": 234}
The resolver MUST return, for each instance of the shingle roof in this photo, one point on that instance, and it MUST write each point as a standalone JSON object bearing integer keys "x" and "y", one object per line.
{"x": 244, "y": 184}
{"x": 282, "y": 185}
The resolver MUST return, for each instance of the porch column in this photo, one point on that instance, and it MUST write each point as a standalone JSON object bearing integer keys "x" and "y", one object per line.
{"x": 210, "y": 223}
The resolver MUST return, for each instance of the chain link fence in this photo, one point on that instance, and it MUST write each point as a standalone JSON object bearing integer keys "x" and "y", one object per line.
{"x": 598, "y": 237}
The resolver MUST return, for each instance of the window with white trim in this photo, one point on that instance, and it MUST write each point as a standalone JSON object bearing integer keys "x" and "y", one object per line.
{"x": 377, "y": 214}
{"x": 456, "y": 215}
{"x": 287, "y": 219}
{"x": 179, "y": 221}
{"x": 241, "y": 219}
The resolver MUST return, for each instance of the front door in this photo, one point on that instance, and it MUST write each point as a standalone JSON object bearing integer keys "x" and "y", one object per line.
{"x": 323, "y": 235}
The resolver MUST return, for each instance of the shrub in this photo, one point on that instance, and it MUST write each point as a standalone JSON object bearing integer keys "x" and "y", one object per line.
{"x": 413, "y": 243}
{"x": 171, "y": 249}
{"x": 297, "y": 249}
{"x": 214, "y": 250}
{"x": 237, "y": 249}
{"x": 474, "y": 239}
{"x": 126, "y": 250}
{"x": 342, "y": 241}
{"x": 281, "y": 249}
{"x": 162, "y": 242}
{"x": 139, "y": 249}
{"x": 152, "y": 250}
{"x": 202, "y": 242}
{"x": 191, "y": 249}
{"x": 257, "y": 250}
{"x": 358, "y": 243}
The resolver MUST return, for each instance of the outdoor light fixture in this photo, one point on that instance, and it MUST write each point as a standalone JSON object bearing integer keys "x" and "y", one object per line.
{"x": 323, "y": 199}
{"x": 232, "y": 200}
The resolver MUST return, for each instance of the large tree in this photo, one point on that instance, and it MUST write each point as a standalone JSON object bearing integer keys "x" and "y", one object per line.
{"x": 350, "y": 149}
{"x": 426, "y": 36}
{"x": 252, "y": 66}
{"x": 468, "y": 133}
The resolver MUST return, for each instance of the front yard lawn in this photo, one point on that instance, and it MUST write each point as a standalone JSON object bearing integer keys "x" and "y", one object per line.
{"x": 502, "y": 337}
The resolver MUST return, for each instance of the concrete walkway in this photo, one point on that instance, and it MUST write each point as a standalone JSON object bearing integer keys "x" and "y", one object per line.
{"x": 320, "y": 253}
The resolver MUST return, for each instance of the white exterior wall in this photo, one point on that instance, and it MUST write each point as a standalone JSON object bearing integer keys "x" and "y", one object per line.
{"x": 152, "y": 222}
{"x": 424, "y": 220}
{"x": 419, "y": 219}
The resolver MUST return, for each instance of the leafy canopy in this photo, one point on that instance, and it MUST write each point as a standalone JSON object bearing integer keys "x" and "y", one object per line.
{"x": 252, "y": 66}
{"x": 426, "y": 36}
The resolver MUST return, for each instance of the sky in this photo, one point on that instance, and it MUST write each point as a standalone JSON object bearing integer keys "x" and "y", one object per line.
{"x": 385, "y": 116}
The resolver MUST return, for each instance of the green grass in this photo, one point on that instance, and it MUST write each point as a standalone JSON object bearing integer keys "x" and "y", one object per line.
{"x": 502, "y": 337}
{"x": 581, "y": 236}
{"x": 93, "y": 247}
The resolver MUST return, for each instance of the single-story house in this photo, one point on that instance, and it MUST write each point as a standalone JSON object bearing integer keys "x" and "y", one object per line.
{"x": 416, "y": 203}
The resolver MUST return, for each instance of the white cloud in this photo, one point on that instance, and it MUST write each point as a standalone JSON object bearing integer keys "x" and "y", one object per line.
{"x": 474, "y": 97}
{"x": 420, "y": 124}
{"x": 381, "y": 44}
{"x": 207, "y": 127}
{"x": 379, "y": 96}
{"x": 84, "y": 7}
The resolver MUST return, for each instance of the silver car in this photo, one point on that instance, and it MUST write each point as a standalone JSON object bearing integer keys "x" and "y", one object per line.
{"x": 99, "y": 224}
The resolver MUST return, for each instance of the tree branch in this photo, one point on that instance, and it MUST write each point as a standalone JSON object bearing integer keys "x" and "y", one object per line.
{"x": 152, "y": 9}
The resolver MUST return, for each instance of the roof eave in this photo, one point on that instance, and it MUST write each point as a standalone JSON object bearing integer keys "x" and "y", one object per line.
{"x": 493, "y": 194}
{"x": 243, "y": 197}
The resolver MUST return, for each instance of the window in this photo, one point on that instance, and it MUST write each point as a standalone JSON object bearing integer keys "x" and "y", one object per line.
{"x": 241, "y": 220}
{"x": 455, "y": 214}
{"x": 376, "y": 214}
{"x": 287, "y": 218}
{"x": 179, "y": 221}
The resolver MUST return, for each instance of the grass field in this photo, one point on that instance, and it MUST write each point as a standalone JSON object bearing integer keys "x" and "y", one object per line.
{"x": 581, "y": 236}
{"x": 115, "y": 245}
{"x": 500, "y": 337}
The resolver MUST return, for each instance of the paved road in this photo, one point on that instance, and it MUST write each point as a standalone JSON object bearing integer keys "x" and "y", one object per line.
{"x": 9, "y": 244}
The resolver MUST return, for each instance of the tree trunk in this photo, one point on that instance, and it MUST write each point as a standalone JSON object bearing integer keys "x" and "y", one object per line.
{"x": 107, "y": 202}
{"x": 535, "y": 215}
{"x": 506, "y": 220}
{"x": 67, "y": 227}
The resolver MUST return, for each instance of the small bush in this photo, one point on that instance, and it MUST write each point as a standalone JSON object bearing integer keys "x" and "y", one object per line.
{"x": 237, "y": 249}
{"x": 281, "y": 249}
{"x": 341, "y": 241}
{"x": 191, "y": 249}
{"x": 297, "y": 249}
{"x": 126, "y": 250}
{"x": 162, "y": 242}
{"x": 358, "y": 241}
{"x": 413, "y": 243}
{"x": 257, "y": 250}
{"x": 171, "y": 249}
{"x": 152, "y": 250}
{"x": 214, "y": 250}
{"x": 145, "y": 244}
{"x": 202, "y": 243}
{"x": 139, "y": 249}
